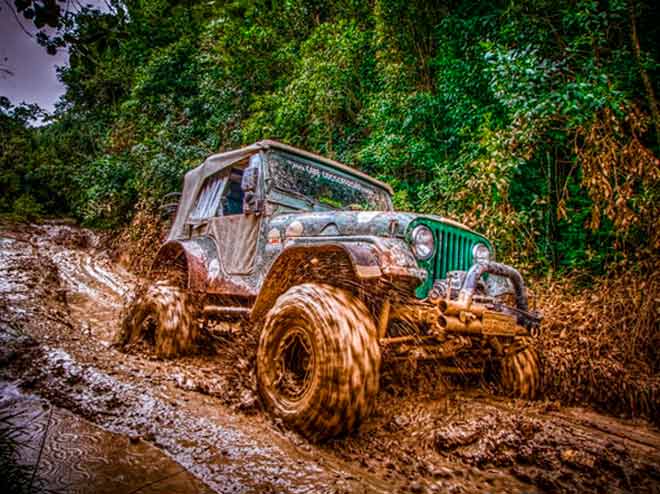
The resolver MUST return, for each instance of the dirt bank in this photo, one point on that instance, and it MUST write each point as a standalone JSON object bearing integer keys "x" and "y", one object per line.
{"x": 60, "y": 298}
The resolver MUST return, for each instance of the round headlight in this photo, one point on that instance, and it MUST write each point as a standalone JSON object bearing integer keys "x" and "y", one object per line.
{"x": 480, "y": 253}
{"x": 422, "y": 242}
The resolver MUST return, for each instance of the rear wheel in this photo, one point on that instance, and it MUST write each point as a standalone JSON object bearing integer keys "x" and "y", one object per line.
{"x": 318, "y": 360}
{"x": 163, "y": 315}
{"x": 520, "y": 370}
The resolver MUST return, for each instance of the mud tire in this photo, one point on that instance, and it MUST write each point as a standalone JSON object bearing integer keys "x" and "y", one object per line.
{"x": 520, "y": 371}
{"x": 343, "y": 361}
{"x": 163, "y": 314}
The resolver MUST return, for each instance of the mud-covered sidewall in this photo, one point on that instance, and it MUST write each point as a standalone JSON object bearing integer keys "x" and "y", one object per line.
{"x": 346, "y": 360}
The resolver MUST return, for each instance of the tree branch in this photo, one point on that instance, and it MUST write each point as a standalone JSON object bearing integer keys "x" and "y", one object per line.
{"x": 18, "y": 20}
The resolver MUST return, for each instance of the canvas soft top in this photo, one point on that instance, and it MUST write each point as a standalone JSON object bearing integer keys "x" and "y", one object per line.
{"x": 194, "y": 179}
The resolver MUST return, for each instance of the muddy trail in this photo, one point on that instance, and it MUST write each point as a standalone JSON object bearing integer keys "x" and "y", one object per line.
{"x": 94, "y": 419}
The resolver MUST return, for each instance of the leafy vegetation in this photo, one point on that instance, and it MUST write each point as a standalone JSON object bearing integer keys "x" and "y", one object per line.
{"x": 535, "y": 122}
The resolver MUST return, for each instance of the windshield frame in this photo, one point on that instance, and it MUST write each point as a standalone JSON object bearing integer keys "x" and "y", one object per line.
{"x": 275, "y": 193}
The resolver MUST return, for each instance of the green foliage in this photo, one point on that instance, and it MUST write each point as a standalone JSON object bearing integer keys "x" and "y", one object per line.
{"x": 532, "y": 122}
{"x": 26, "y": 208}
{"x": 322, "y": 96}
{"x": 108, "y": 191}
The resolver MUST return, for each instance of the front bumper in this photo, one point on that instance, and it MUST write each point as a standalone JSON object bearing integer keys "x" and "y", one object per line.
{"x": 456, "y": 307}
{"x": 460, "y": 313}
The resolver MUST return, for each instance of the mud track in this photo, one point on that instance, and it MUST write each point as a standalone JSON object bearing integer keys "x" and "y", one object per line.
{"x": 196, "y": 421}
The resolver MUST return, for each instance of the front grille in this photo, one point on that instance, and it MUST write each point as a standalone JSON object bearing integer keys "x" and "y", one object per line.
{"x": 455, "y": 252}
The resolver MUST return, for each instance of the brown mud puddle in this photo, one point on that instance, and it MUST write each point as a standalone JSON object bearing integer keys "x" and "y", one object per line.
{"x": 60, "y": 299}
{"x": 63, "y": 453}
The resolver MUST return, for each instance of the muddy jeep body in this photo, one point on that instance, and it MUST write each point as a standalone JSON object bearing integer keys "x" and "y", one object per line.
{"x": 255, "y": 225}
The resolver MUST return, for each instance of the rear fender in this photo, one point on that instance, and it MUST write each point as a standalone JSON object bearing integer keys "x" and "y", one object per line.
{"x": 198, "y": 257}
{"x": 204, "y": 271}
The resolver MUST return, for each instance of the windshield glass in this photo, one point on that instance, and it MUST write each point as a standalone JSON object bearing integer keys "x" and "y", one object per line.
{"x": 327, "y": 188}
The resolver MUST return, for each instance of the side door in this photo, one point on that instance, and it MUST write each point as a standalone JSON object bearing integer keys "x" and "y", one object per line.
{"x": 236, "y": 229}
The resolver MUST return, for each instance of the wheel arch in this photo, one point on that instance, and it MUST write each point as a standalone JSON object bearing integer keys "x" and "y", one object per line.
{"x": 191, "y": 258}
{"x": 333, "y": 264}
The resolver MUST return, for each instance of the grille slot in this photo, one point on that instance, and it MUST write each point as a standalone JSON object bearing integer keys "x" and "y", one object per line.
{"x": 455, "y": 252}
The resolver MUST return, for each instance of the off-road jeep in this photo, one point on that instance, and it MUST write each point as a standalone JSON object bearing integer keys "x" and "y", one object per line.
{"x": 312, "y": 253}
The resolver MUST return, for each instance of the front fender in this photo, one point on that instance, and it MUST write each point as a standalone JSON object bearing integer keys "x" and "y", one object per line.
{"x": 305, "y": 259}
{"x": 371, "y": 257}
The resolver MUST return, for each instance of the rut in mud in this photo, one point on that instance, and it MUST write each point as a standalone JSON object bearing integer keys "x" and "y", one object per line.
{"x": 60, "y": 301}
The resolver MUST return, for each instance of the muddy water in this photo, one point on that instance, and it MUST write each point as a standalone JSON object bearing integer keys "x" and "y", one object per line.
{"x": 69, "y": 454}
{"x": 60, "y": 299}
{"x": 228, "y": 452}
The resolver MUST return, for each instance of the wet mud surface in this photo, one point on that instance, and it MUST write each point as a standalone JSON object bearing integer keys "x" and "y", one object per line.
{"x": 196, "y": 423}
{"x": 73, "y": 455}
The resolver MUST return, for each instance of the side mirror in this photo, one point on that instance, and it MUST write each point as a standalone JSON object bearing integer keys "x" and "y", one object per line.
{"x": 250, "y": 180}
{"x": 250, "y": 188}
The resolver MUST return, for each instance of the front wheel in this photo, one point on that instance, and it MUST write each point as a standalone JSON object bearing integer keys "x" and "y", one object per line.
{"x": 520, "y": 370}
{"x": 318, "y": 360}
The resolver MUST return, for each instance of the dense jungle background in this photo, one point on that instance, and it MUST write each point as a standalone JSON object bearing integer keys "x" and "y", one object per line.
{"x": 536, "y": 123}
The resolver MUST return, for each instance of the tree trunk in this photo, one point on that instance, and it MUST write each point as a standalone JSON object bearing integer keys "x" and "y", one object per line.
{"x": 646, "y": 80}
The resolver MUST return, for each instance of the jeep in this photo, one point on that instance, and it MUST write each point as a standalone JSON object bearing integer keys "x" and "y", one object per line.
{"x": 313, "y": 255}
